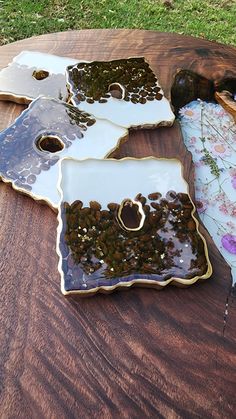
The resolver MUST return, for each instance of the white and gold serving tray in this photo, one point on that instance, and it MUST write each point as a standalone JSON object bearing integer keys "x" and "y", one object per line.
{"x": 127, "y": 222}
{"x": 124, "y": 91}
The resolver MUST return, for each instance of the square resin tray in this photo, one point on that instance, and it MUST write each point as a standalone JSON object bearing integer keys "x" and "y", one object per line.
{"x": 125, "y": 91}
{"x": 32, "y": 74}
{"x": 47, "y": 131}
{"x": 127, "y": 222}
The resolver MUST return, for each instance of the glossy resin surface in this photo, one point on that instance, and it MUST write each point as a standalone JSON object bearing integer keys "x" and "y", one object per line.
{"x": 32, "y": 74}
{"x": 127, "y": 222}
{"x": 209, "y": 133}
{"x": 125, "y": 91}
{"x": 47, "y": 131}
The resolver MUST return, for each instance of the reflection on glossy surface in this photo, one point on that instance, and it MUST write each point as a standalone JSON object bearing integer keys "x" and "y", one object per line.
{"x": 94, "y": 80}
{"x": 96, "y": 251}
{"x": 31, "y": 74}
{"x": 20, "y": 160}
{"x": 43, "y": 134}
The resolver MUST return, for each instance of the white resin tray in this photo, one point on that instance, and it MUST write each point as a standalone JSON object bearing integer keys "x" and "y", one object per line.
{"x": 127, "y": 222}
{"x": 19, "y": 83}
{"x": 125, "y": 91}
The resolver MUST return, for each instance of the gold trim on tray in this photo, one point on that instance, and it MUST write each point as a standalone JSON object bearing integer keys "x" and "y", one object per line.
{"x": 179, "y": 282}
{"x": 150, "y": 125}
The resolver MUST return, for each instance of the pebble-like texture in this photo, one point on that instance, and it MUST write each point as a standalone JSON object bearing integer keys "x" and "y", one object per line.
{"x": 97, "y": 251}
{"x": 20, "y": 159}
{"x": 92, "y": 82}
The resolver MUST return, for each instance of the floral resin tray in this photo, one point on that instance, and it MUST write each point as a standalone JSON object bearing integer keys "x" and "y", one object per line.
{"x": 47, "y": 131}
{"x": 209, "y": 133}
{"x": 127, "y": 222}
{"x": 125, "y": 91}
{"x": 32, "y": 74}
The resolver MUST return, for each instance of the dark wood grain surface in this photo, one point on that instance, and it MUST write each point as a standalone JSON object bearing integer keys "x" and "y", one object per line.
{"x": 135, "y": 354}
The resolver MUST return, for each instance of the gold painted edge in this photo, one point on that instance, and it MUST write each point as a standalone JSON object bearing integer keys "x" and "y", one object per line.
{"x": 138, "y": 282}
{"x": 11, "y": 97}
{"x": 38, "y": 198}
{"x": 153, "y": 125}
{"x": 141, "y": 211}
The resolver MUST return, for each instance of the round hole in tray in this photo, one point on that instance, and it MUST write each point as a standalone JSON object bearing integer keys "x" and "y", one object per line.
{"x": 131, "y": 215}
{"x": 40, "y": 74}
{"x": 49, "y": 143}
{"x": 116, "y": 90}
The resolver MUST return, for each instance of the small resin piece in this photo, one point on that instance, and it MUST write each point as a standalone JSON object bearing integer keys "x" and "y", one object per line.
{"x": 47, "y": 131}
{"x": 32, "y": 74}
{"x": 125, "y": 91}
{"x": 227, "y": 101}
{"x": 128, "y": 222}
{"x": 225, "y": 95}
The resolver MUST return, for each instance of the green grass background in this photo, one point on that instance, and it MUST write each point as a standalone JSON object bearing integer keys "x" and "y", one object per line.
{"x": 214, "y": 20}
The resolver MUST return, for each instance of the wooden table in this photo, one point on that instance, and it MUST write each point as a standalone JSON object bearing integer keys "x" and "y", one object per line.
{"x": 142, "y": 353}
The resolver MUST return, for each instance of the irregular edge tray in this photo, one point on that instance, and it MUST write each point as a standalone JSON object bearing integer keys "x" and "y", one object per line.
{"x": 38, "y": 198}
{"x": 179, "y": 282}
{"x": 26, "y": 100}
{"x": 71, "y": 99}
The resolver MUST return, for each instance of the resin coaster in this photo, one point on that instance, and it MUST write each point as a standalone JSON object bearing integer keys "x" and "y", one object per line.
{"x": 47, "y": 131}
{"x": 32, "y": 74}
{"x": 125, "y": 222}
{"x": 124, "y": 91}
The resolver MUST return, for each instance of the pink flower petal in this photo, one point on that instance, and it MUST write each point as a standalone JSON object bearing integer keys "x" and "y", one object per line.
{"x": 233, "y": 181}
{"x": 229, "y": 243}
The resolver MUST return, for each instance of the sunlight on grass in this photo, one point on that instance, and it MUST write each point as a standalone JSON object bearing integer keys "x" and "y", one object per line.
{"x": 213, "y": 20}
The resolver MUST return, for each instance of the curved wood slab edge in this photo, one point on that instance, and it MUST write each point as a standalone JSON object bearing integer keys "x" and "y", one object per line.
{"x": 140, "y": 353}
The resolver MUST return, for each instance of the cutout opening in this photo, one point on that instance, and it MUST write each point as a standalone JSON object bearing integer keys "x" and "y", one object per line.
{"x": 116, "y": 90}
{"x": 131, "y": 215}
{"x": 49, "y": 143}
{"x": 40, "y": 74}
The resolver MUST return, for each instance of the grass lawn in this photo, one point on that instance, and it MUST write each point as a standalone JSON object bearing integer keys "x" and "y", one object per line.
{"x": 211, "y": 19}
